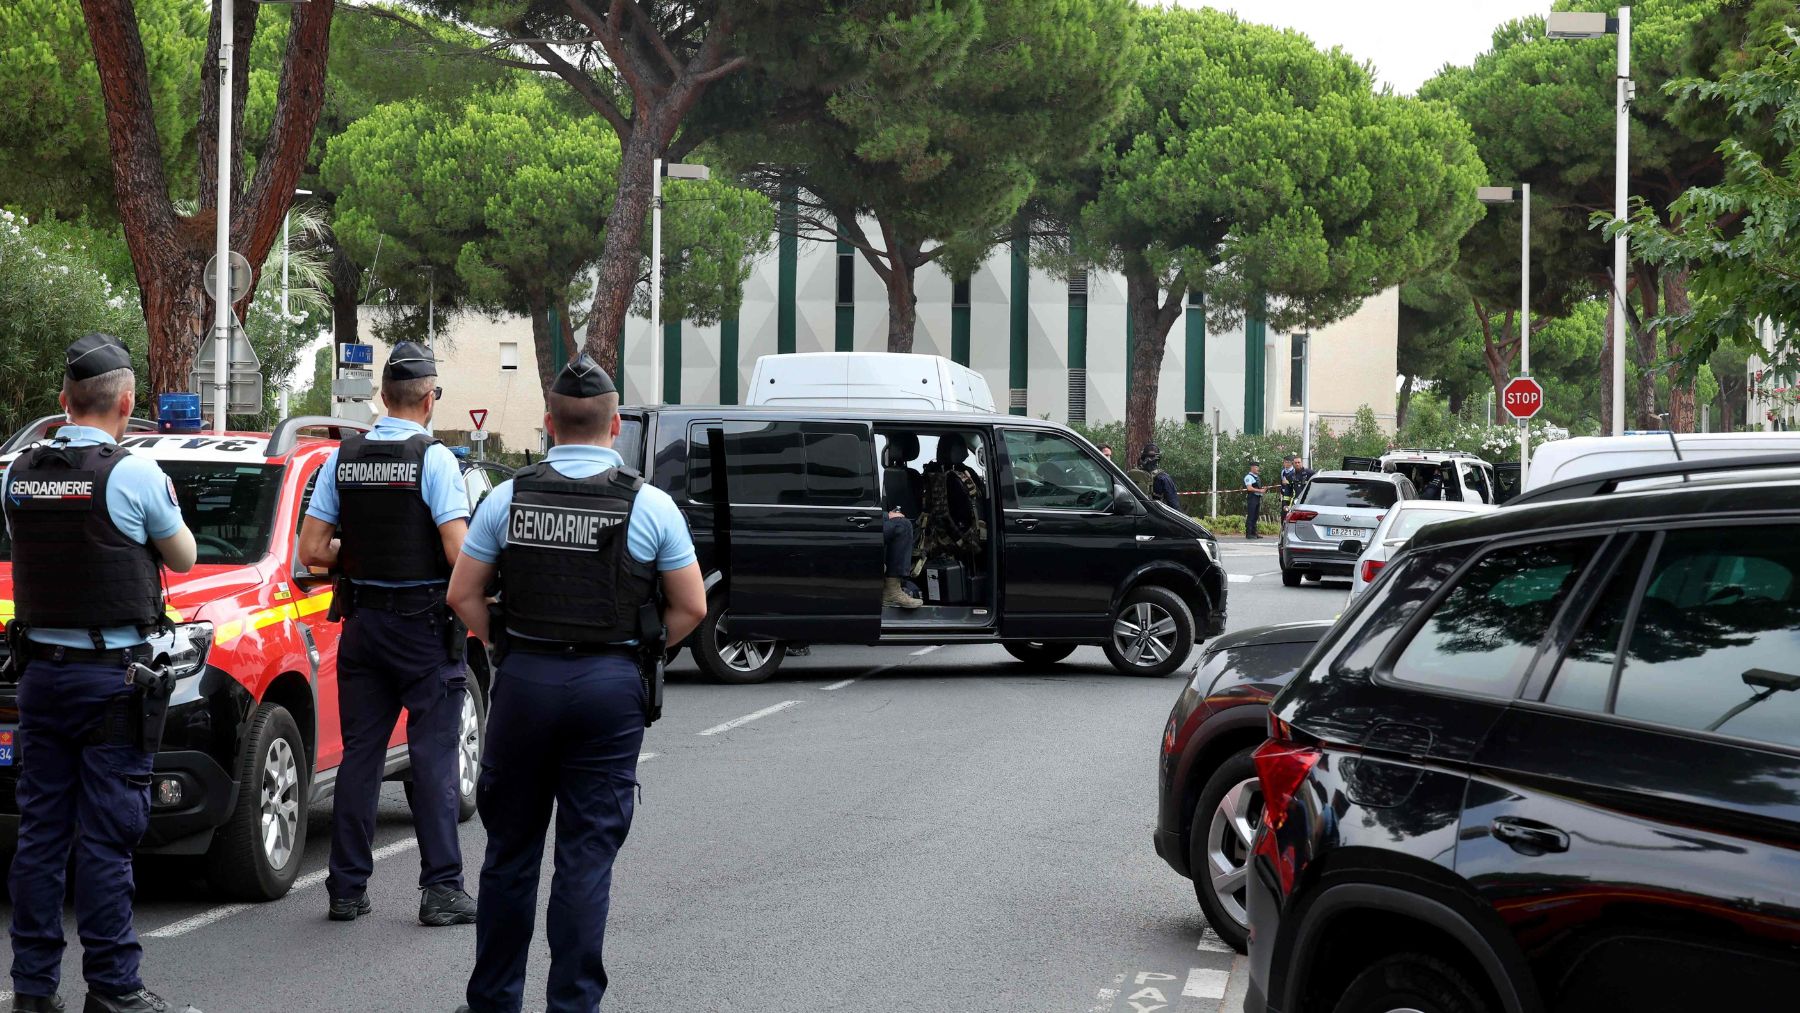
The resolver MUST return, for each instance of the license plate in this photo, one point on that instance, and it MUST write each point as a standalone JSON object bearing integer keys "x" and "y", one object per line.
{"x": 8, "y": 735}
{"x": 1343, "y": 532}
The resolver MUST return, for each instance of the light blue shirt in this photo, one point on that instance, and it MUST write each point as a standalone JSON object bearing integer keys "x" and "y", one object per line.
{"x": 440, "y": 484}
{"x": 141, "y": 501}
{"x": 658, "y": 532}
{"x": 1251, "y": 480}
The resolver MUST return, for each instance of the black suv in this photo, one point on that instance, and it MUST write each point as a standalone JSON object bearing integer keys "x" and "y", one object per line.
{"x": 1551, "y": 761}
{"x": 1028, "y": 537}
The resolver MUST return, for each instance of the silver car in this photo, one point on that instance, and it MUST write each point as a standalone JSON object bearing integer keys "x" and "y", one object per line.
{"x": 1397, "y": 528}
{"x": 1335, "y": 507}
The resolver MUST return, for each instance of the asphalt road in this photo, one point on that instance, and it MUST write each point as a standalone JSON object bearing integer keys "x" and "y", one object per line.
{"x": 894, "y": 830}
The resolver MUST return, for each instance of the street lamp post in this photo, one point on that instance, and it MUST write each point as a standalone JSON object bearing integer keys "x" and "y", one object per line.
{"x": 1506, "y": 195}
{"x": 1590, "y": 25}
{"x": 673, "y": 170}
{"x": 1305, "y": 395}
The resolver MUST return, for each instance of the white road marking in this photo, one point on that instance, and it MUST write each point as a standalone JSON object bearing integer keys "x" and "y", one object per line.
{"x": 647, "y": 756}
{"x": 1205, "y": 983}
{"x": 837, "y": 685}
{"x": 1108, "y": 996}
{"x": 1213, "y": 944}
{"x": 1240, "y": 578}
{"x": 746, "y": 719}
{"x": 224, "y": 911}
{"x": 921, "y": 652}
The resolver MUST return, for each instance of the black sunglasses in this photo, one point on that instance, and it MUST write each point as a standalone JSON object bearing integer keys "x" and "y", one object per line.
{"x": 437, "y": 393}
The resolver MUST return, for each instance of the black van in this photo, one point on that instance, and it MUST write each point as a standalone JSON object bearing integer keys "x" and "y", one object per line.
{"x": 1028, "y": 537}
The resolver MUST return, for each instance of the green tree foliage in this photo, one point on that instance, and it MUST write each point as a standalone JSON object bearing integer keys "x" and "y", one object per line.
{"x": 1736, "y": 240}
{"x": 1250, "y": 164}
{"x": 52, "y": 291}
{"x": 53, "y": 144}
{"x": 943, "y": 147}
{"x": 505, "y": 198}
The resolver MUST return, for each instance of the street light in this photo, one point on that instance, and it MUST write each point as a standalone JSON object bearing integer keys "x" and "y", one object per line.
{"x": 673, "y": 170}
{"x": 1506, "y": 195}
{"x": 1594, "y": 25}
{"x": 1305, "y": 394}
{"x": 222, "y": 222}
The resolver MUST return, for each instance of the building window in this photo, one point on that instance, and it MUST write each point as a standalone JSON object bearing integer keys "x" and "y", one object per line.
{"x": 959, "y": 292}
{"x": 509, "y": 355}
{"x": 846, "y": 274}
{"x": 1297, "y": 371}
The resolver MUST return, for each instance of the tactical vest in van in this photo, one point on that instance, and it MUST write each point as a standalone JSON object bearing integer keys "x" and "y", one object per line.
{"x": 72, "y": 566}
{"x": 566, "y": 572}
{"x": 385, "y": 525}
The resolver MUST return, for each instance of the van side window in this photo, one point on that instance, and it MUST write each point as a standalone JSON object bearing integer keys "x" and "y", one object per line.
{"x": 787, "y": 463}
{"x": 1049, "y": 472}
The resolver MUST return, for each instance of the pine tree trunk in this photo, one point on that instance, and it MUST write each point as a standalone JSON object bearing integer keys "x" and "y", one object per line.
{"x": 543, "y": 344}
{"x": 621, "y": 254}
{"x": 1606, "y": 361}
{"x": 1682, "y": 412}
{"x": 178, "y": 316}
{"x": 1403, "y": 402}
{"x": 903, "y": 302}
{"x": 345, "y": 297}
{"x": 1150, "y": 322}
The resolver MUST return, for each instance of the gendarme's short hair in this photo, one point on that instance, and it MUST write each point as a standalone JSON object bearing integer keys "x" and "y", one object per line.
{"x": 583, "y": 378}
{"x": 409, "y": 361}
{"x": 93, "y": 354}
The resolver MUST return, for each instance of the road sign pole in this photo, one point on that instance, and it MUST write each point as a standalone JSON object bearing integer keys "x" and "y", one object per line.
{"x": 1525, "y": 327}
{"x": 222, "y": 227}
{"x": 479, "y": 437}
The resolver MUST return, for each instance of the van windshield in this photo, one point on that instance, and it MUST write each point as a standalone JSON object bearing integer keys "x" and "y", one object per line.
{"x": 1349, "y": 492}
{"x": 630, "y": 443}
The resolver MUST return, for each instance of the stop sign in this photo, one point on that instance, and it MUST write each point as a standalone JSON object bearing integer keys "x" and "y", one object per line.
{"x": 1523, "y": 397}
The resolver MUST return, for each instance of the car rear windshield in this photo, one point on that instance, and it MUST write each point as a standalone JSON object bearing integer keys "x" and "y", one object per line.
{"x": 230, "y": 508}
{"x": 1410, "y": 521}
{"x": 1349, "y": 492}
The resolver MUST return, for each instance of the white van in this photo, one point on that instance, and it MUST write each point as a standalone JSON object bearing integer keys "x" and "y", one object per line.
{"x": 1563, "y": 460}
{"x": 879, "y": 380}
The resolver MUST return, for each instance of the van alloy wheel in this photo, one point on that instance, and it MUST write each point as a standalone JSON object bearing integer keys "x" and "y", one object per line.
{"x": 746, "y": 655}
{"x": 280, "y": 803}
{"x": 1145, "y": 633}
{"x": 468, "y": 752}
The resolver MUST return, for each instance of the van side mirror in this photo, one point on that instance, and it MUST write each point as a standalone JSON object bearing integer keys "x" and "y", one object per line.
{"x": 1352, "y": 546}
{"x": 1124, "y": 502}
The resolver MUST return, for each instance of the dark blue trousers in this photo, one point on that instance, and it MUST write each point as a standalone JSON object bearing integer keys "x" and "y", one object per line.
{"x": 562, "y": 732}
{"x": 94, "y": 798}
{"x": 897, "y": 540}
{"x": 387, "y": 661}
{"x": 1252, "y": 512}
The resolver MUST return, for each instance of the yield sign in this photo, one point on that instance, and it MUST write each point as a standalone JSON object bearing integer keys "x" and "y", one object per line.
{"x": 1523, "y": 397}
{"x": 478, "y": 416}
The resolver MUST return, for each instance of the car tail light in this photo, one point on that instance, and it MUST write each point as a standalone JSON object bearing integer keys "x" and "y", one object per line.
{"x": 1301, "y": 515}
{"x": 1281, "y": 766}
{"x": 1169, "y": 736}
{"x": 1371, "y": 567}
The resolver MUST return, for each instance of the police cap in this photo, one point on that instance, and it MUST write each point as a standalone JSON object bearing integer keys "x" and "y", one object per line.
{"x": 583, "y": 377}
{"x": 93, "y": 354}
{"x": 409, "y": 361}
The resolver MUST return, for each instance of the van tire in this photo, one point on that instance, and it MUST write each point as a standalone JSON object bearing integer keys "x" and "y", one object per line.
{"x": 1038, "y": 652}
{"x": 1163, "y": 609}
{"x": 1290, "y": 578}
{"x": 238, "y": 864}
{"x": 736, "y": 663}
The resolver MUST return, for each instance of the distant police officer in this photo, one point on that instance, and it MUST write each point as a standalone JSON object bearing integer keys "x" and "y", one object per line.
{"x": 1253, "y": 490}
{"x": 395, "y": 499}
{"x": 577, "y": 543}
{"x": 89, "y": 523}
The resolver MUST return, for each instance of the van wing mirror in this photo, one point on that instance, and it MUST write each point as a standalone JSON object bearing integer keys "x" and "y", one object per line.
{"x": 1352, "y": 546}
{"x": 1124, "y": 502}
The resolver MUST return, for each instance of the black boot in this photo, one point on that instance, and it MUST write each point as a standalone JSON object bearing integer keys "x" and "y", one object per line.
{"x": 37, "y": 1004}
{"x": 349, "y": 909}
{"x": 440, "y": 905}
{"x": 141, "y": 1001}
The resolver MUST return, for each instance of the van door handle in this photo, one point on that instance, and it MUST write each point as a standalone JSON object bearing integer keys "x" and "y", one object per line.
{"x": 1529, "y": 837}
{"x": 859, "y": 520}
{"x": 1026, "y": 522}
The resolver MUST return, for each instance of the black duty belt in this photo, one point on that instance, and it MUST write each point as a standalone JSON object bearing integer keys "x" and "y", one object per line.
{"x": 55, "y": 652}
{"x": 397, "y": 599}
{"x": 567, "y": 649}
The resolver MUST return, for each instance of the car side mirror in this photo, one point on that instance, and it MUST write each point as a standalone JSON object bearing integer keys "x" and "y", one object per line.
{"x": 1124, "y": 502}
{"x": 1352, "y": 546}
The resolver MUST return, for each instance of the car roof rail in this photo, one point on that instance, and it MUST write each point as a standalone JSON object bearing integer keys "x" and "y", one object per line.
{"x": 1607, "y": 483}
{"x": 287, "y": 431}
{"x": 42, "y": 428}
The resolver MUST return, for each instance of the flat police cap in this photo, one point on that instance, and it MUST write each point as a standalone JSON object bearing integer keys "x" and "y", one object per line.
{"x": 583, "y": 377}
{"x": 93, "y": 354}
{"x": 409, "y": 361}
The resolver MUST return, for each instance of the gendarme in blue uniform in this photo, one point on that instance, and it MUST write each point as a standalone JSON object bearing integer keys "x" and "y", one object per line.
{"x": 566, "y": 726}
{"x": 386, "y": 495}
{"x": 83, "y": 767}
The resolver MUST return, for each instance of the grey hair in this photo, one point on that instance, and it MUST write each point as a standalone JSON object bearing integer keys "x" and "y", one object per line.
{"x": 407, "y": 393}
{"x": 98, "y": 395}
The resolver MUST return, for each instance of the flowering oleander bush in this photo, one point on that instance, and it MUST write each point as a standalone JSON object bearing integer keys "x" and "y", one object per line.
{"x": 53, "y": 289}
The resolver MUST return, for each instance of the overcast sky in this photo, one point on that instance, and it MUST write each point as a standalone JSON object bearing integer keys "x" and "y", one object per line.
{"x": 1406, "y": 40}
